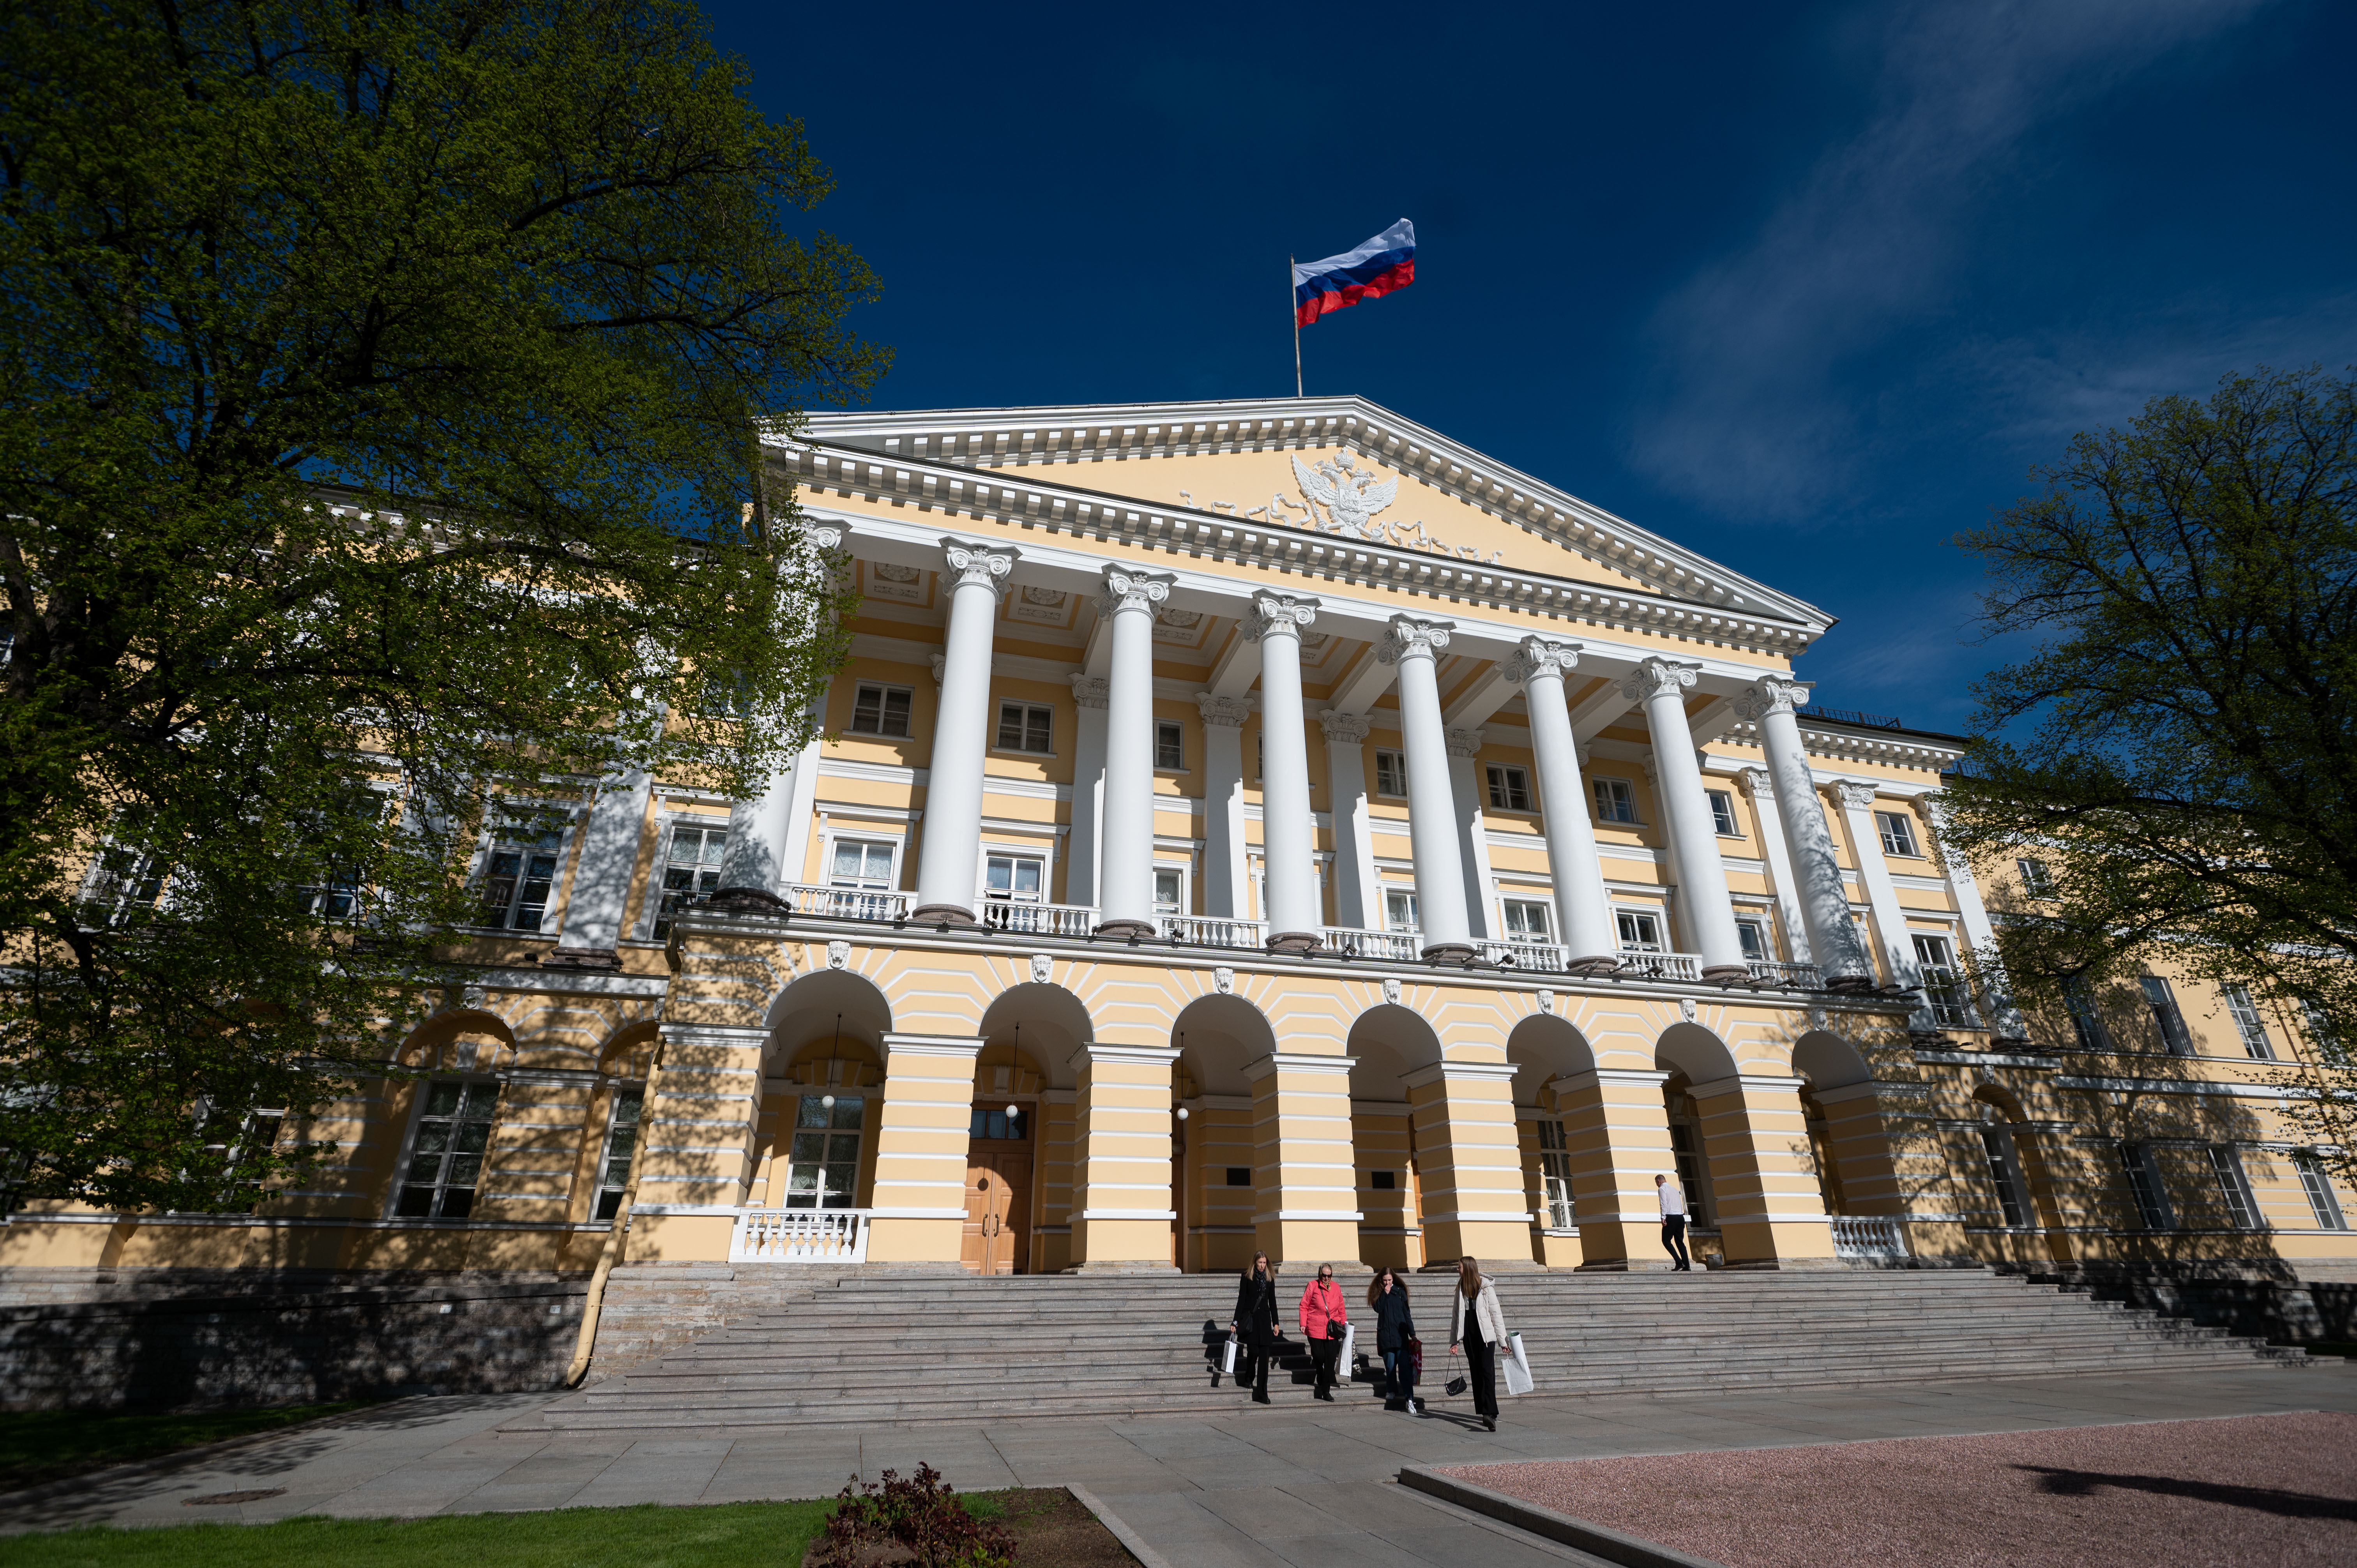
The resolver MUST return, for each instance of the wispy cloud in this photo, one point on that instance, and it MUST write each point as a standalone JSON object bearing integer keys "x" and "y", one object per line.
{"x": 1745, "y": 415}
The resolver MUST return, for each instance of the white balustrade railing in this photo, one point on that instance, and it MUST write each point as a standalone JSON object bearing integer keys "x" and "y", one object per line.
{"x": 1520, "y": 955}
{"x": 1213, "y": 932}
{"x": 844, "y": 903}
{"x": 799, "y": 1236}
{"x": 1683, "y": 967}
{"x": 1789, "y": 976}
{"x": 1405, "y": 946}
{"x": 1038, "y": 919}
{"x": 1868, "y": 1236}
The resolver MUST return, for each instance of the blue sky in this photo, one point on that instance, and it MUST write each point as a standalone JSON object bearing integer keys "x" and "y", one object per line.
{"x": 1804, "y": 287}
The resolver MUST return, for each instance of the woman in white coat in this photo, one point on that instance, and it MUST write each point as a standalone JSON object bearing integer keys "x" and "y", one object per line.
{"x": 1478, "y": 1324}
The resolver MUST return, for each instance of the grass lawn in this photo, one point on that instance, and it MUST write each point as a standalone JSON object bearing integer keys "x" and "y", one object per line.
{"x": 774, "y": 1535}
{"x": 44, "y": 1445}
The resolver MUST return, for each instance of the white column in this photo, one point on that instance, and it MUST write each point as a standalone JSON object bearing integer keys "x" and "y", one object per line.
{"x": 610, "y": 841}
{"x": 1289, "y": 838}
{"x": 1126, "y": 871}
{"x": 1411, "y": 646}
{"x": 753, "y": 862}
{"x": 1088, "y": 691}
{"x": 1465, "y": 790}
{"x": 1355, "y": 906}
{"x": 1582, "y": 911}
{"x": 1833, "y": 944}
{"x": 1661, "y": 686}
{"x": 945, "y": 872}
{"x": 1761, "y": 785}
{"x": 1996, "y": 992}
{"x": 1881, "y": 896}
{"x": 1227, "y": 877}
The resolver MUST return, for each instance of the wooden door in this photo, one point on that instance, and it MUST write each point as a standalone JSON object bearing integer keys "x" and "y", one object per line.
{"x": 997, "y": 1213}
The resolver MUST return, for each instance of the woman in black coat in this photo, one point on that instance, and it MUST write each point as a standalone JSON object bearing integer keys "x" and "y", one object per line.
{"x": 1256, "y": 1325}
{"x": 1394, "y": 1327}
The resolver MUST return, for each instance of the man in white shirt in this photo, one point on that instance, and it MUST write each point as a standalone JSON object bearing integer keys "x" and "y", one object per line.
{"x": 1674, "y": 1222}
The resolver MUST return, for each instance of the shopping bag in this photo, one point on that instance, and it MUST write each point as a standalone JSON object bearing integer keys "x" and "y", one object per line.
{"x": 1516, "y": 1368}
{"x": 1346, "y": 1369}
{"x": 1228, "y": 1357}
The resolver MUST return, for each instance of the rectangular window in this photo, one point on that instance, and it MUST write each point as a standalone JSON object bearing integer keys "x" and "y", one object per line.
{"x": 1997, "y": 1143}
{"x": 125, "y": 882}
{"x": 1240, "y": 1176}
{"x": 1003, "y": 1123}
{"x": 517, "y": 878}
{"x": 1616, "y": 802}
{"x": 446, "y": 1156}
{"x": 1026, "y": 727}
{"x": 1555, "y": 1176}
{"x": 1383, "y": 1181}
{"x": 2247, "y": 1022}
{"x": 1390, "y": 774}
{"x": 2166, "y": 1017}
{"x": 690, "y": 871}
{"x": 2151, "y": 1192}
{"x": 1722, "y": 814}
{"x": 2087, "y": 1018}
{"x": 1013, "y": 879}
{"x": 1526, "y": 921}
{"x": 865, "y": 864}
{"x": 1897, "y": 833}
{"x": 881, "y": 710}
{"x": 1944, "y": 987}
{"x": 1170, "y": 745}
{"x": 1509, "y": 790}
{"x": 621, "y": 1141}
{"x": 823, "y": 1161}
{"x": 2319, "y": 1188}
{"x": 1753, "y": 935}
{"x": 1399, "y": 911}
{"x": 2037, "y": 881}
{"x": 1170, "y": 891}
{"x": 2320, "y": 1027}
{"x": 1640, "y": 931}
{"x": 2233, "y": 1186}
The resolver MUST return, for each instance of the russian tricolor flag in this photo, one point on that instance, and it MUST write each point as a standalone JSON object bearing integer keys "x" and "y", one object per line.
{"x": 1384, "y": 264}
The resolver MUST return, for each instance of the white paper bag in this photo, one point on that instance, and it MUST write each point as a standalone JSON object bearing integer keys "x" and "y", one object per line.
{"x": 1518, "y": 1367}
{"x": 1344, "y": 1368}
{"x": 1228, "y": 1359}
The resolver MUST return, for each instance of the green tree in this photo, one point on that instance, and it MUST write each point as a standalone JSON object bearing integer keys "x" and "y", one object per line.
{"x": 379, "y": 393}
{"x": 2179, "y": 754}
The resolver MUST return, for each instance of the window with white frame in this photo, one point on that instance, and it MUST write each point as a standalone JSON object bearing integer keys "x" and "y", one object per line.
{"x": 237, "y": 1141}
{"x": 446, "y": 1151}
{"x": 880, "y": 709}
{"x": 1027, "y": 726}
{"x": 1943, "y": 986}
{"x": 1527, "y": 920}
{"x": 1751, "y": 930}
{"x": 691, "y": 870}
{"x": 2247, "y": 1022}
{"x": 1722, "y": 814}
{"x": 622, "y": 1141}
{"x": 1555, "y": 1176}
{"x": 862, "y": 864}
{"x": 517, "y": 875}
{"x": 2005, "y": 1174}
{"x": 1390, "y": 774}
{"x": 2320, "y": 1027}
{"x": 2319, "y": 1188}
{"x": 2162, "y": 1002}
{"x": 1170, "y": 745}
{"x": 1641, "y": 930}
{"x": 2233, "y": 1186}
{"x": 1169, "y": 890}
{"x": 2037, "y": 878}
{"x": 1897, "y": 833}
{"x": 1616, "y": 800}
{"x": 124, "y": 882}
{"x": 1509, "y": 790}
{"x": 1009, "y": 878}
{"x": 823, "y": 1160}
{"x": 2145, "y": 1183}
{"x": 1399, "y": 911}
{"x": 2086, "y": 1015}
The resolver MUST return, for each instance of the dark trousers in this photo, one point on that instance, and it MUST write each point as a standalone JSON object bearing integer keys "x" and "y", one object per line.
{"x": 1399, "y": 1373}
{"x": 1481, "y": 1359}
{"x": 1253, "y": 1367}
{"x": 1674, "y": 1239}
{"x": 1326, "y": 1352}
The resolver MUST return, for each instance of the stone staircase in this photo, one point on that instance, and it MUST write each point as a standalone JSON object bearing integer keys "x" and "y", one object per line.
{"x": 867, "y": 1350}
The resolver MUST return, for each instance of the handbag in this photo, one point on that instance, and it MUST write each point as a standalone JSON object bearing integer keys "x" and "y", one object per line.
{"x": 1456, "y": 1387}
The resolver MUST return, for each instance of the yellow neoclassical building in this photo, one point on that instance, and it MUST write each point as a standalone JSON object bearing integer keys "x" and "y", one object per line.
{"x": 1275, "y": 825}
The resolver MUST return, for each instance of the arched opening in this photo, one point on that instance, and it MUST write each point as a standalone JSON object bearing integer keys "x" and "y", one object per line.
{"x": 616, "y": 1111}
{"x": 1542, "y": 1051}
{"x": 1846, "y": 1131}
{"x": 1019, "y": 1142}
{"x": 1389, "y": 1042}
{"x": 1219, "y": 1167}
{"x": 1693, "y": 1057}
{"x": 821, "y": 1102}
{"x": 445, "y": 1123}
{"x": 2018, "y": 1180}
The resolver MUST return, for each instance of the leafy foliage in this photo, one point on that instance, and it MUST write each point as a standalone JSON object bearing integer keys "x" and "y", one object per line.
{"x": 920, "y": 1514}
{"x": 2186, "y": 786}
{"x": 377, "y": 408}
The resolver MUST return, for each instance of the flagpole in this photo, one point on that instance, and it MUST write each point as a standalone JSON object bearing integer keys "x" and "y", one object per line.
{"x": 1295, "y": 308}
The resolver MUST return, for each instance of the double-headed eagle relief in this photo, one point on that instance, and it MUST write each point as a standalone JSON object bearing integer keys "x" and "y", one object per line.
{"x": 1351, "y": 497}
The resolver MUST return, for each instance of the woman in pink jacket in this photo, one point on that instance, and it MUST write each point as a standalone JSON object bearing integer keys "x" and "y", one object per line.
{"x": 1322, "y": 1321}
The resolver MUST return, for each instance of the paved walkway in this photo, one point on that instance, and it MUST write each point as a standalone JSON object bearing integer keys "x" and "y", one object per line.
{"x": 1297, "y": 1485}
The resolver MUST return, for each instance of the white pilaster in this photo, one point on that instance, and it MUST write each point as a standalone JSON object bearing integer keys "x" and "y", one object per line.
{"x": 1833, "y": 944}
{"x": 610, "y": 841}
{"x": 1410, "y": 646}
{"x": 1996, "y": 992}
{"x": 1466, "y": 791}
{"x": 1761, "y": 785}
{"x": 1125, "y": 873}
{"x": 1227, "y": 876}
{"x": 1288, "y": 840}
{"x": 1582, "y": 910}
{"x": 1881, "y": 895}
{"x": 753, "y": 864}
{"x": 1081, "y": 854}
{"x": 978, "y": 575}
{"x": 1661, "y": 686}
{"x": 1355, "y": 905}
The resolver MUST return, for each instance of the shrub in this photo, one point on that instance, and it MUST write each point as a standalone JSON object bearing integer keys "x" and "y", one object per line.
{"x": 922, "y": 1514}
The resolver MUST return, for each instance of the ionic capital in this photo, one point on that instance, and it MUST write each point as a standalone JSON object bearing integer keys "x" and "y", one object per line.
{"x": 1091, "y": 691}
{"x": 1412, "y": 639}
{"x": 1758, "y": 783}
{"x": 1770, "y": 694}
{"x": 973, "y": 562}
{"x": 1538, "y": 656}
{"x": 1227, "y": 712}
{"x": 1465, "y": 742}
{"x": 826, "y": 535}
{"x": 1127, "y": 590}
{"x": 1345, "y": 729}
{"x": 1658, "y": 677}
{"x": 1279, "y": 615}
{"x": 1853, "y": 795}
